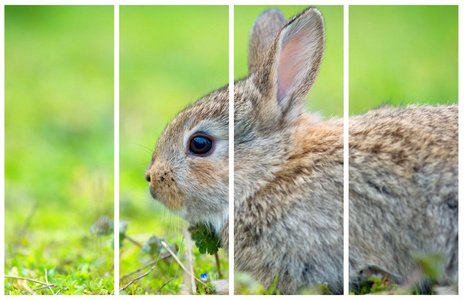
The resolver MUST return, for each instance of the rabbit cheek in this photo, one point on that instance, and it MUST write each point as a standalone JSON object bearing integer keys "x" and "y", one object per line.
{"x": 205, "y": 173}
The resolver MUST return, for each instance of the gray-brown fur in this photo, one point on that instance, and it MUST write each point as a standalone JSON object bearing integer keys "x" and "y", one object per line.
{"x": 262, "y": 35}
{"x": 404, "y": 189}
{"x": 289, "y": 172}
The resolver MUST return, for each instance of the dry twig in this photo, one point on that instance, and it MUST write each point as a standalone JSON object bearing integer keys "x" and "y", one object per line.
{"x": 27, "y": 288}
{"x": 46, "y": 280}
{"x": 146, "y": 266}
{"x": 135, "y": 279}
{"x": 37, "y": 289}
{"x": 164, "y": 284}
{"x": 46, "y": 284}
{"x": 216, "y": 255}
{"x": 180, "y": 264}
{"x": 188, "y": 246}
{"x": 133, "y": 241}
{"x": 29, "y": 279}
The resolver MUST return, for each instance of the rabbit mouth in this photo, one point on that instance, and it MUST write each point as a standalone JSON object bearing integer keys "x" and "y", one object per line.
{"x": 169, "y": 200}
{"x": 157, "y": 196}
{"x": 153, "y": 193}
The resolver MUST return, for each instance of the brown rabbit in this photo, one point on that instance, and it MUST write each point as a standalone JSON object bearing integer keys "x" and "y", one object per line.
{"x": 289, "y": 171}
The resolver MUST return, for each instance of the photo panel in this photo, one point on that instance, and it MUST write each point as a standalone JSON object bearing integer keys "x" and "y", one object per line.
{"x": 59, "y": 150}
{"x": 174, "y": 146}
{"x": 288, "y": 150}
{"x": 403, "y": 149}
{"x": 174, "y": 107}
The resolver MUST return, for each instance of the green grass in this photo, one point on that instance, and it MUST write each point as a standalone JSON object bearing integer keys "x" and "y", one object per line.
{"x": 170, "y": 56}
{"x": 401, "y": 55}
{"x": 421, "y": 281}
{"x": 58, "y": 147}
{"x": 326, "y": 96}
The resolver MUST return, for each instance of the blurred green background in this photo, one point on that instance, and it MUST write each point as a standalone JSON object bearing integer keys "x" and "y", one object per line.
{"x": 402, "y": 54}
{"x": 170, "y": 56}
{"x": 58, "y": 146}
{"x": 326, "y": 96}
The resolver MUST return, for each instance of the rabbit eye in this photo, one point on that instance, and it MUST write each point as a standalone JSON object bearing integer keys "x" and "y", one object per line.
{"x": 200, "y": 144}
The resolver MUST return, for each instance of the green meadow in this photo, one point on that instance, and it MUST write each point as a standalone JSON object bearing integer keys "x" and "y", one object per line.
{"x": 58, "y": 149}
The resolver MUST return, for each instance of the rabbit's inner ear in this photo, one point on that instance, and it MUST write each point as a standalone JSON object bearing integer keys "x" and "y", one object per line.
{"x": 301, "y": 49}
{"x": 289, "y": 67}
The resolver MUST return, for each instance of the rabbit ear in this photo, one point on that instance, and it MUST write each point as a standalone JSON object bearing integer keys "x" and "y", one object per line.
{"x": 264, "y": 31}
{"x": 293, "y": 63}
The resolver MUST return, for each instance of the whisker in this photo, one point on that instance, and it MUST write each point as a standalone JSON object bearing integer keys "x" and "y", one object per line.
{"x": 144, "y": 147}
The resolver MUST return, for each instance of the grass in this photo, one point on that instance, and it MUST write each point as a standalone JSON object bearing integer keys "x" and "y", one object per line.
{"x": 58, "y": 147}
{"x": 170, "y": 57}
{"x": 421, "y": 281}
{"x": 166, "y": 276}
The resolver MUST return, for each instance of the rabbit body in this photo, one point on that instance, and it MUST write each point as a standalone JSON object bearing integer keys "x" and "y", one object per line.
{"x": 288, "y": 174}
{"x": 403, "y": 189}
{"x": 289, "y": 222}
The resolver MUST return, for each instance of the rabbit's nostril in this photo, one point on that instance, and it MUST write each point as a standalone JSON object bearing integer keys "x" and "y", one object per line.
{"x": 147, "y": 177}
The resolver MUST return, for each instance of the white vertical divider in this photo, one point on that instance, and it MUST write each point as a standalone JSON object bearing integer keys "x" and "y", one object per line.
{"x": 346, "y": 113}
{"x": 116, "y": 149}
{"x": 231, "y": 149}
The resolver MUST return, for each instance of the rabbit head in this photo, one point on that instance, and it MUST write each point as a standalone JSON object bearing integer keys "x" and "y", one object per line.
{"x": 284, "y": 62}
{"x": 189, "y": 169}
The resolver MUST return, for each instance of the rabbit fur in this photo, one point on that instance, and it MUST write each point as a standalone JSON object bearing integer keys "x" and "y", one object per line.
{"x": 403, "y": 174}
{"x": 289, "y": 171}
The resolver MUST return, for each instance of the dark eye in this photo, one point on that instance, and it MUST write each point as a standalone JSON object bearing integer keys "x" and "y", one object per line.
{"x": 200, "y": 144}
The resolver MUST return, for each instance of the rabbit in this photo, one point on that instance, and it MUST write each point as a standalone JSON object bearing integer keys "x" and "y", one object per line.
{"x": 288, "y": 171}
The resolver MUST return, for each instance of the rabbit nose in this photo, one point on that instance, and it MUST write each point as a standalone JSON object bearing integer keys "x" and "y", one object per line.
{"x": 147, "y": 176}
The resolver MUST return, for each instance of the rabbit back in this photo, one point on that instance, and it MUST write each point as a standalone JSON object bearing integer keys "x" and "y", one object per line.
{"x": 403, "y": 189}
